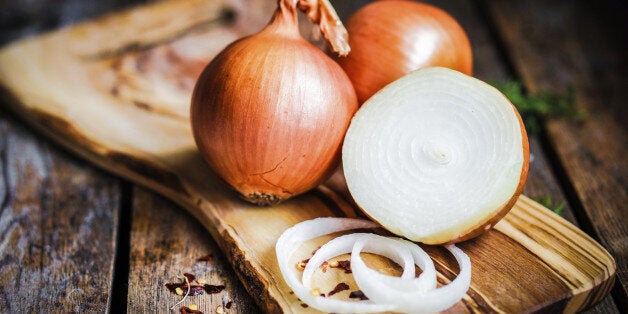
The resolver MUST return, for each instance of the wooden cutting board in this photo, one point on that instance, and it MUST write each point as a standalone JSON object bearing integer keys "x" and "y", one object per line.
{"x": 116, "y": 91}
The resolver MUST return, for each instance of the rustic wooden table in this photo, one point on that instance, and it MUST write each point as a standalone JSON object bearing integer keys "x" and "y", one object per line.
{"x": 75, "y": 238}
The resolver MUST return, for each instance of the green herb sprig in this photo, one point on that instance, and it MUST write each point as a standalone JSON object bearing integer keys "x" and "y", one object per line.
{"x": 550, "y": 204}
{"x": 538, "y": 106}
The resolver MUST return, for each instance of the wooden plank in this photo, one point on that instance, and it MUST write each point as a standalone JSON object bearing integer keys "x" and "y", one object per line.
{"x": 151, "y": 144}
{"x": 58, "y": 219}
{"x": 555, "y": 45}
{"x": 167, "y": 242}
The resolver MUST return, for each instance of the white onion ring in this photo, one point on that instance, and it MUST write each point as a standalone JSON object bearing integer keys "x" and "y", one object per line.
{"x": 385, "y": 293}
{"x": 408, "y": 300}
{"x": 293, "y": 237}
{"x": 386, "y": 289}
{"x": 388, "y": 247}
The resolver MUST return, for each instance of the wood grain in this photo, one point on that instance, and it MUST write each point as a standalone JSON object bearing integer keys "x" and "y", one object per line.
{"x": 58, "y": 221}
{"x": 105, "y": 109}
{"x": 166, "y": 243}
{"x": 585, "y": 56}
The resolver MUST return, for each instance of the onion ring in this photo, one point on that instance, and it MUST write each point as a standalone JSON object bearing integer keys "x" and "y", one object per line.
{"x": 294, "y": 236}
{"x": 422, "y": 299}
{"x": 386, "y": 293}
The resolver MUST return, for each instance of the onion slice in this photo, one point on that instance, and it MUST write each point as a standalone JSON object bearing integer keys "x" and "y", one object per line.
{"x": 388, "y": 289}
{"x": 396, "y": 251}
{"x": 436, "y": 156}
{"x": 385, "y": 293}
{"x": 294, "y": 236}
{"x": 420, "y": 300}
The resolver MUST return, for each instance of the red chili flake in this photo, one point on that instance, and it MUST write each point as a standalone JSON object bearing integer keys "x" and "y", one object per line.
{"x": 190, "y": 277}
{"x": 211, "y": 289}
{"x": 174, "y": 285}
{"x": 303, "y": 305}
{"x": 187, "y": 310}
{"x": 229, "y": 304}
{"x": 346, "y": 265}
{"x": 195, "y": 290}
{"x": 205, "y": 258}
{"x": 339, "y": 287}
{"x": 316, "y": 249}
{"x": 291, "y": 292}
{"x": 305, "y": 260}
{"x": 358, "y": 294}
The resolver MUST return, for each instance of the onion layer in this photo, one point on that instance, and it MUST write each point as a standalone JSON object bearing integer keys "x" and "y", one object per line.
{"x": 385, "y": 293}
{"x": 436, "y": 156}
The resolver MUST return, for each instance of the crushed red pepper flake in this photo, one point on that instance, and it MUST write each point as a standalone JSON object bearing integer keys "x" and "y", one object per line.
{"x": 194, "y": 289}
{"x": 229, "y": 304}
{"x": 358, "y": 294}
{"x": 205, "y": 258}
{"x": 339, "y": 287}
{"x": 190, "y": 277}
{"x": 346, "y": 265}
{"x": 211, "y": 289}
{"x": 187, "y": 310}
{"x": 324, "y": 266}
{"x": 303, "y": 305}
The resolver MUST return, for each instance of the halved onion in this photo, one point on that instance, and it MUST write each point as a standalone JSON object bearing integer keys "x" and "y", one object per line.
{"x": 386, "y": 293}
{"x": 436, "y": 156}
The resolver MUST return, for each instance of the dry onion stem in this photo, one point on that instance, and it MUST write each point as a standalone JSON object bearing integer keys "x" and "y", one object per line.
{"x": 270, "y": 111}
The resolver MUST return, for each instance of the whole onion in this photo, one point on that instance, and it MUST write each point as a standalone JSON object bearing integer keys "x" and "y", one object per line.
{"x": 270, "y": 111}
{"x": 391, "y": 38}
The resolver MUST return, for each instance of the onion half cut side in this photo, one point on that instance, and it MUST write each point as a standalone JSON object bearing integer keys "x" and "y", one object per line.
{"x": 386, "y": 293}
{"x": 436, "y": 156}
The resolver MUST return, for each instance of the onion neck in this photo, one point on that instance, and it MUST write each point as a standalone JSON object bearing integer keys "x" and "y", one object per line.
{"x": 285, "y": 22}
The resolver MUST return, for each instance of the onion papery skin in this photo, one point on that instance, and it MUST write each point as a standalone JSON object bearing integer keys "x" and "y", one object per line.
{"x": 436, "y": 156}
{"x": 270, "y": 111}
{"x": 391, "y": 38}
